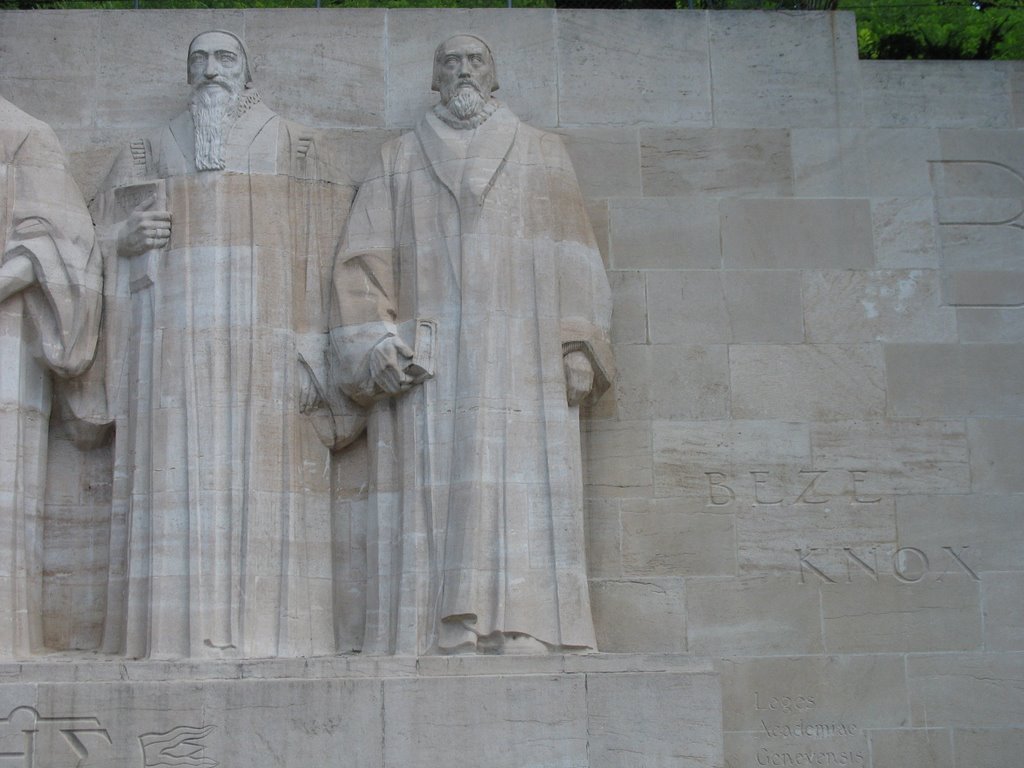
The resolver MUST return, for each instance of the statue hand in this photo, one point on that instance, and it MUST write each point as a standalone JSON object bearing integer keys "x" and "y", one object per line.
{"x": 144, "y": 230}
{"x": 388, "y": 360}
{"x": 579, "y": 376}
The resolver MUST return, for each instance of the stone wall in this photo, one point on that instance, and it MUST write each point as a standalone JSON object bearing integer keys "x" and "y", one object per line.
{"x": 811, "y": 468}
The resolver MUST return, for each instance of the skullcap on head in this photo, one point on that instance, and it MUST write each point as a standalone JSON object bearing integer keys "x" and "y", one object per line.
{"x": 435, "y": 84}
{"x": 237, "y": 39}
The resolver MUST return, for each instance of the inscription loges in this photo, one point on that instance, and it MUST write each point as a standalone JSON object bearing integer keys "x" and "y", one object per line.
{"x": 761, "y": 487}
{"x": 806, "y": 740}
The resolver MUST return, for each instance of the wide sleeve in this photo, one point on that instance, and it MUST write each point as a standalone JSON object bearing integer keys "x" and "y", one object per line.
{"x": 51, "y": 227}
{"x": 585, "y": 300}
{"x": 363, "y": 302}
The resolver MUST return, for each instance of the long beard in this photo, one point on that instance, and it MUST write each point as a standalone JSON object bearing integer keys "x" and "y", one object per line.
{"x": 465, "y": 103}
{"x": 213, "y": 113}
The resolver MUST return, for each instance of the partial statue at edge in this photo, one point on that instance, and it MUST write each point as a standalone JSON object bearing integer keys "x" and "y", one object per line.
{"x": 472, "y": 318}
{"x": 218, "y": 233}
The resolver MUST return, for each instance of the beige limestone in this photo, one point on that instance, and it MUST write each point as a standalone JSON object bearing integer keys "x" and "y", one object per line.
{"x": 605, "y": 160}
{"x": 996, "y": 446}
{"x": 828, "y": 162}
{"x": 994, "y": 325}
{"x": 917, "y": 748}
{"x": 720, "y": 162}
{"x": 988, "y": 748}
{"x": 645, "y": 614}
{"x": 904, "y": 233}
{"x": 1004, "y": 611}
{"x": 961, "y": 689}
{"x": 796, "y": 234}
{"x": 664, "y": 233}
{"x": 676, "y": 537}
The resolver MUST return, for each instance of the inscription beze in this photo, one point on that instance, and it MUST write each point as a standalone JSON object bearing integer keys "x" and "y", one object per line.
{"x": 20, "y": 743}
{"x": 765, "y": 488}
{"x": 910, "y": 565}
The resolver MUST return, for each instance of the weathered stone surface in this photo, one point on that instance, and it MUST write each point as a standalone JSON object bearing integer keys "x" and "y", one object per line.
{"x": 796, "y": 234}
{"x": 605, "y": 160}
{"x": 640, "y": 615}
{"x": 915, "y": 611}
{"x": 664, "y": 233}
{"x": 912, "y": 748}
{"x": 828, "y": 162}
{"x": 992, "y": 325}
{"x": 672, "y": 381}
{"x": 899, "y": 160}
{"x": 718, "y": 162}
{"x": 663, "y": 80}
{"x": 773, "y": 71}
{"x": 619, "y": 461}
{"x": 604, "y": 538}
{"x": 949, "y": 94}
{"x": 676, "y": 537}
{"x": 985, "y": 289}
{"x": 713, "y": 461}
{"x": 904, "y": 233}
{"x": 1004, "y": 611}
{"x": 988, "y": 748}
{"x": 868, "y": 691}
{"x": 629, "y": 294}
{"x": 752, "y": 616}
{"x": 949, "y": 380}
{"x": 857, "y": 306}
{"x": 963, "y": 689}
{"x": 982, "y": 529}
{"x": 996, "y": 448}
{"x": 898, "y": 457}
{"x": 817, "y": 382}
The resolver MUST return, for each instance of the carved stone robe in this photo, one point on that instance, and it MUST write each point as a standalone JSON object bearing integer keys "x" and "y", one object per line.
{"x": 476, "y": 497}
{"x": 221, "y": 533}
{"x": 47, "y": 330}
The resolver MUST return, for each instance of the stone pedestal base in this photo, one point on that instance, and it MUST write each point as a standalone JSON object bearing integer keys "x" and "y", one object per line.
{"x": 590, "y": 711}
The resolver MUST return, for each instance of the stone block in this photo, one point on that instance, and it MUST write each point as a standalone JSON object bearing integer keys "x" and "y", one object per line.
{"x": 712, "y": 306}
{"x": 663, "y": 81}
{"x": 604, "y": 538}
{"x": 877, "y": 305}
{"x": 639, "y": 615}
{"x": 912, "y": 748}
{"x": 996, "y": 448}
{"x": 828, "y": 162}
{"x": 980, "y": 247}
{"x": 752, "y": 616}
{"x": 897, "y": 457}
{"x": 937, "y": 94}
{"x": 992, "y": 325}
{"x": 617, "y": 458}
{"x": 526, "y": 48}
{"x": 689, "y": 381}
{"x": 961, "y": 690}
{"x": 914, "y": 612}
{"x": 984, "y": 530}
{"x": 712, "y": 461}
{"x": 439, "y": 724}
{"x": 772, "y": 70}
{"x": 949, "y": 380}
{"x": 629, "y": 294}
{"x": 987, "y": 290}
{"x": 1004, "y": 611}
{"x": 330, "y": 73}
{"x": 632, "y": 385}
{"x": 719, "y": 162}
{"x": 867, "y": 691}
{"x": 670, "y": 717}
{"x": 773, "y": 537}
{"x": 807, "y": 382}
{"x": 898, "y": 161}
{"x": 606, "y": 161}
{"x": 988, "y": 747}
{"x": 973, "y": 148}
{"x": 664, "y": 233}
{"x": 676, "y": 537}
{"x": 904, "y": 233}
{"x": 796, "y": 234}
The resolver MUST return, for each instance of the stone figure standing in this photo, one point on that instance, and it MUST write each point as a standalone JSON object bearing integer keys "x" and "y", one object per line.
{"x": 50, "y": 302}
{"x": 219, "y": 231}
{"x": 472, "y": 318}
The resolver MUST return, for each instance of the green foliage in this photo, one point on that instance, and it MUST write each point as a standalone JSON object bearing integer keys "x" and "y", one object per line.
{"x": 940, "y": 29}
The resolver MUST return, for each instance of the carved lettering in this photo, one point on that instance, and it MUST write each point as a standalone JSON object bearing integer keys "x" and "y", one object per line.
{"x": 803, "y": 498}
{"x": 859, "y": 476}
{"x": 851, "y": 555}
{"x": 758, "y": 482}
{"x": 181, "y": 746}
{"x": 719, "y": 494}
{"x": 899, "y": 567}
{"x": 957, "y": 559}
{"x": 30, "y": 723}
{"x": 811, "y": 566}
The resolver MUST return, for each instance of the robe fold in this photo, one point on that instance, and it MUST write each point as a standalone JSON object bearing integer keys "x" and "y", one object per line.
{"x": 476, "y": 508}
{"x": 47, "y": 331}
{"x": 221, "y": 533}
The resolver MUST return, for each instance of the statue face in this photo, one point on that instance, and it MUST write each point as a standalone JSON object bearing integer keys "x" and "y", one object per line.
{"x": 465, "y": 63}
{"x": 216, "y": 58}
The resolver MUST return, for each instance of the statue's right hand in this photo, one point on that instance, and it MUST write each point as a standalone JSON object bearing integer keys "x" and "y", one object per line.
{"x": 388, "y": 360}
{"x": 144, "y": 230}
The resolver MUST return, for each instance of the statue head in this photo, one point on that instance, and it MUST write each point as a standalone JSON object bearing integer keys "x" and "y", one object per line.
{"x": 463, "y": 66}
{"x": 217, "y": 56}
